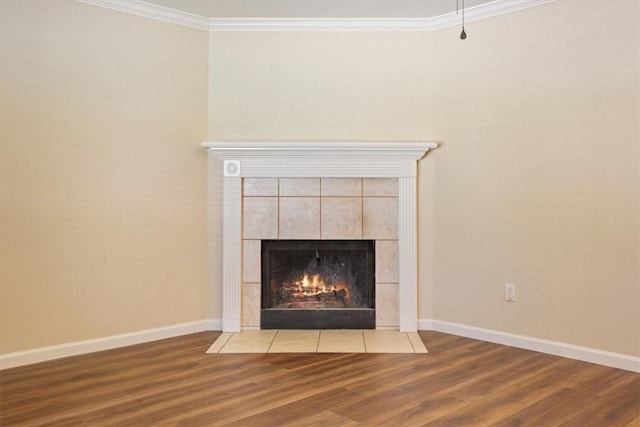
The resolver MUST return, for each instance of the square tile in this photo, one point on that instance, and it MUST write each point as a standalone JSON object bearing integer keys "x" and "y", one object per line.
{"x": 347, "y": 187}
{"x": 249, "y": 342}
{"x": 380, "y": 187}
{"x": 219, "y": 343}
{"x": 295, "y": 341}
{"x": 260, "y": 186}
{"x": 387, "y": 342}
{"x": 341, "y": 341}
{"x": 341, "y": 218}
{"x": 260, "y": 218}
{"x": 417, "y": 343}
{"x": 308, "y": 187}
{"x": 251, "y": 307}
{"x": 380, "y": 218}
{"x": 387, "y": 261}
{"x": 299, "y": 218}
{"x": 318, "y": 341}
{"x": 387, "y": 305}
{"x": 251, "y": 254}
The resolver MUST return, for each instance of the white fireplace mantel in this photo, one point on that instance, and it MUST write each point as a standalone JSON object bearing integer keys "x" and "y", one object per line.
{"x": 317, "y": 159}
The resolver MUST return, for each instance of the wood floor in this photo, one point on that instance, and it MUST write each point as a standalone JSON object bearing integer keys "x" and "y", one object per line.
{"x": 461, "y": 382}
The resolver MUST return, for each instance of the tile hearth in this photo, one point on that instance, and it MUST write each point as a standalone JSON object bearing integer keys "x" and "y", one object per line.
{"x": 318, "y": 341}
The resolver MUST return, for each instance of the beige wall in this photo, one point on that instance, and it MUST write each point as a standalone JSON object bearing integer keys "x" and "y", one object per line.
{"x": 103, "y": 181}
{"x": 536, "y": 180}
{"x": 320, "y": 86}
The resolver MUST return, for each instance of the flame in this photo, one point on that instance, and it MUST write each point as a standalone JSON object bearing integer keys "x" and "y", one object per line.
{"x": 315, "y": 285}
{"x": 313, "y": 282}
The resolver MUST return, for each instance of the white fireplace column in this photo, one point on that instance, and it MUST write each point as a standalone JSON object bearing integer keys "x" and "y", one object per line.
{"x": 317, "y": 160}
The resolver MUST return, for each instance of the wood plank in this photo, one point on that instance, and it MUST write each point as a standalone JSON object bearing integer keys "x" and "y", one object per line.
{"x": 459, "y": 382}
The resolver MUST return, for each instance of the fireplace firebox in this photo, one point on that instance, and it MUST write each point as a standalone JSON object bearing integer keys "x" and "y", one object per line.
{"x": 318, "y": 284}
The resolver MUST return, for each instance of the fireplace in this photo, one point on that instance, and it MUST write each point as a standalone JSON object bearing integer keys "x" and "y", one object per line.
{"x": 318, "y": 284}
{"x": 394, "y": 229}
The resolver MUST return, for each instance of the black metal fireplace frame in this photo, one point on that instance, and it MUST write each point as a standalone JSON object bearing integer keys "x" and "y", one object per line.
{"x": 326, "y": 318}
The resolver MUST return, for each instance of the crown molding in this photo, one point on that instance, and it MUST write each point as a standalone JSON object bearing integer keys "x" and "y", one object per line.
{"x": 483, "y": 11}
{"x": 161, "y": 13}
{"x": 318, "y": 24}
{"x": 154, "y": 11}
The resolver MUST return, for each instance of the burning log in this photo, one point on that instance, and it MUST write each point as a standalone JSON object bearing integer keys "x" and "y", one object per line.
{"x": 341, "y": 295}
{"x": 312, "y": 290}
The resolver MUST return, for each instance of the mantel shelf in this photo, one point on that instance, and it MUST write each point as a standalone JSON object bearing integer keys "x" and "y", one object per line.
{"x": 395, "y": 150}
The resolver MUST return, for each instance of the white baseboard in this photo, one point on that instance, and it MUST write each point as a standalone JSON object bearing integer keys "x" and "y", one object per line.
{"x": 214, "y": 324}
{"x": 615, "y": 360}
{"x": 425, "y": 325}
{"x": 20, "y": 358}
{"x": 586, "y": 354}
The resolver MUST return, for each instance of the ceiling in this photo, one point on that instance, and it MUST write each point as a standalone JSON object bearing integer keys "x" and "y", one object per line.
{"x": 319, "y": 9}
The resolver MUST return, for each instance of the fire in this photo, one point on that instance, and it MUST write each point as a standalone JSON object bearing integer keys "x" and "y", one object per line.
{"x": 315, "y": 282}
{"x": 312, "y": 288}
{"x": 315, "y": 285}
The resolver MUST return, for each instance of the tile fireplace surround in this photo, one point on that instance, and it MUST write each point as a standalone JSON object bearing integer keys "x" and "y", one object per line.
{"x": 318, "y": 162}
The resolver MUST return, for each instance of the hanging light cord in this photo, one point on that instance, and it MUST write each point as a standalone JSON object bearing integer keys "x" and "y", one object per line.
{"x": 463, "y": 34}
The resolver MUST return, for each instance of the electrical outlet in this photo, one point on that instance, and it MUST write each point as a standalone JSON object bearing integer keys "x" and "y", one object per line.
{"x": 510, "y": 292}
